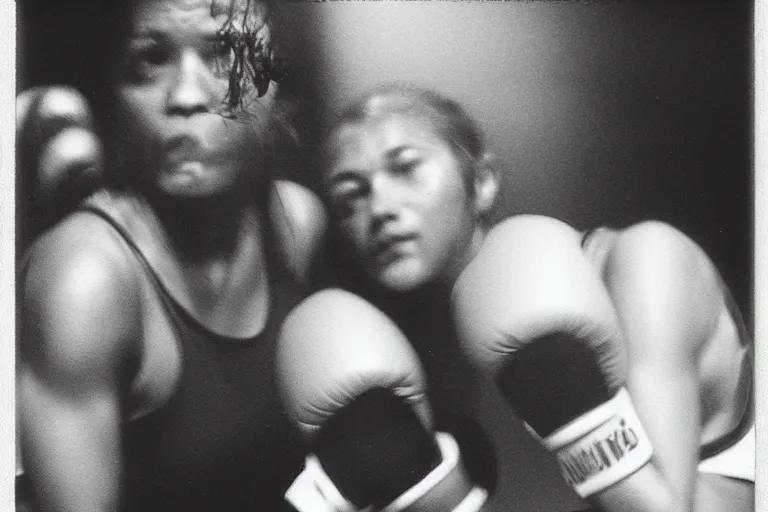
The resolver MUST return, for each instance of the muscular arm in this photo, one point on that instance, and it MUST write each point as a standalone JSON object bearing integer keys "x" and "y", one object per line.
{"x": 79, "y": 315}
{"x": 667, "y": 297}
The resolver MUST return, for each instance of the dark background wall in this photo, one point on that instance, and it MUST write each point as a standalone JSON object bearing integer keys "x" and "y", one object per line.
{"x": 601, "y": 113}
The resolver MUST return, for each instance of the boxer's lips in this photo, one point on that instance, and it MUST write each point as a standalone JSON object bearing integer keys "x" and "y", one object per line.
{"x": 185, "y": 148}
{"x": 392, "y": 247}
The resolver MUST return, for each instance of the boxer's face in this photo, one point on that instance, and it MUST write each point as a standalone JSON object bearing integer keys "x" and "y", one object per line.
{"x": 172, "y": 87}
{"x": 399, "y": 192}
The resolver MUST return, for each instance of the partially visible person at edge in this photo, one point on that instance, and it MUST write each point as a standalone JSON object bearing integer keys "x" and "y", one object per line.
{"x": 621, "y": 349}
{"x": 150, "y": 314}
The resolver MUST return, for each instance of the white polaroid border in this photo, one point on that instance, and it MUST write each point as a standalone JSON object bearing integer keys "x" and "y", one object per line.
{"x": 7, "y": 266}
{"x": 7, "y": 234}
{"x": 761, "y": 248}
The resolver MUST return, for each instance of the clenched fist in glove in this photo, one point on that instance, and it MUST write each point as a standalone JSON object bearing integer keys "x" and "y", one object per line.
{"x": 60, "y": 157}
{"x": 356, "y": 391}
{"x": 533, "y": 314}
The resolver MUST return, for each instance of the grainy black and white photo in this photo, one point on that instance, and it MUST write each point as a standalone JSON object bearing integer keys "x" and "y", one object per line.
{"x": 385, "y": 255}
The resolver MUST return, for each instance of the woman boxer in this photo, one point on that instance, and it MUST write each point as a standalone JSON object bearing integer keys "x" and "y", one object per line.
{"x": 150, "y": 314}
{"x": 410, "y": 185}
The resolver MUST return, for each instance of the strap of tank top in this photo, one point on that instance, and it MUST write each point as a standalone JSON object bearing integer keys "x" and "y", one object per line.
{"x": 164, "y": 294}
{"x": 587, "y": 234}
{"x": 281, "y": 280}
{"x": 723, "y": 443}
{"x": 733, "y": 309}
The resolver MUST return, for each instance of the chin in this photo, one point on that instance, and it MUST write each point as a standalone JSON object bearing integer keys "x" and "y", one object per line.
{"x": 195, "y": 181}
{"x": 402, "y": 277}
{"x": 192, "y": 189}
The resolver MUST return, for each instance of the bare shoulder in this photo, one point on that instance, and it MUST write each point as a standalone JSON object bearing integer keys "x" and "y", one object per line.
{"x": 659, "y": 243}
{"x": 659, "y": 275}
{"x": 80, "y": 253}
{"x": 535, "y": 223}
{"x": 81, "y": 306}
{"x": 541, "y": 230}
{"x": 301, "y": 222}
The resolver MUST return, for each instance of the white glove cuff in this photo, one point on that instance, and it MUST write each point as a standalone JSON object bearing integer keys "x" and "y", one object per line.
{"x": 601, "y": 447}
{"x": 313, "y": 490}
{"x": 449, "y": 474}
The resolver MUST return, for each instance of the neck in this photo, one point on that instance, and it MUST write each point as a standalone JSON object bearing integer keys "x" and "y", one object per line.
{"x": 204, "y": 229}
{"x": 452, "y": 273}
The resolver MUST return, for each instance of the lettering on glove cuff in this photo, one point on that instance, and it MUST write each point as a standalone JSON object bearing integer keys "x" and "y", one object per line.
{"x": 601, "y": 447}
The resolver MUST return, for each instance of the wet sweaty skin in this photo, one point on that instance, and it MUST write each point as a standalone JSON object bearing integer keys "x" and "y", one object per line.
{"x": 245, "y": 53}
{"x": 400, "y": 196}
{"x": 177, "y": 81}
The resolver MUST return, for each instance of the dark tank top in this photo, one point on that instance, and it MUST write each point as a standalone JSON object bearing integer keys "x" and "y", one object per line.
{"x": 223, "y": 441}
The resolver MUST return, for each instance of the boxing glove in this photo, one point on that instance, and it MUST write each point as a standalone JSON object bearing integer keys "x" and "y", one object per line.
{"x": 60, "y": 158}
{"x": 532, "y": 314}
{"x": 354, "y": 388}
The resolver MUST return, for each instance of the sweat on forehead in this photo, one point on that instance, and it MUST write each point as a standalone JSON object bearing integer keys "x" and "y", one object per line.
{"x": 380, "y": 107}
{"x": 440, "y": 113}
{"x": 394, "y": 102}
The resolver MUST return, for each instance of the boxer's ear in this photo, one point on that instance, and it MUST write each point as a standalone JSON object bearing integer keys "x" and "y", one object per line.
{"x": 486, "y": 184}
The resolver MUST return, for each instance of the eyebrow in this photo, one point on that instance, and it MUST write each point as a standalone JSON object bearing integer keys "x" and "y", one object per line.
{"x": 397, "y": 150}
